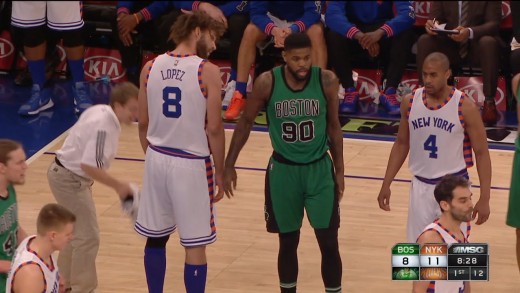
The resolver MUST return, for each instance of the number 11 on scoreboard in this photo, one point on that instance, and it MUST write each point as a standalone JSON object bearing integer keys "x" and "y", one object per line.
{"x": 405, "y": 262}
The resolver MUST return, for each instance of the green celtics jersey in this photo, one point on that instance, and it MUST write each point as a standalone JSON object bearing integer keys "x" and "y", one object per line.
{"x": 8, "y": 229}
{"x": 298, "y": 119}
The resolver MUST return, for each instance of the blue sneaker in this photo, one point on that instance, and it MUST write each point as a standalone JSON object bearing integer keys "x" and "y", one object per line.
{"x": 81, "y": 99}
{"x": 389, "y": 100}
{"x": 40, "y": 100}
{"x": 350, "y": 101}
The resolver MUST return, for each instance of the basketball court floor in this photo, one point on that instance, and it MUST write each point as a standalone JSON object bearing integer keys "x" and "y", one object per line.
{"x": 244, "y": 257}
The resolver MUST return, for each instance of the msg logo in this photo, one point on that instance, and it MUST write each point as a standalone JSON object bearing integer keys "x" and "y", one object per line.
{"x": 468, "y": 249}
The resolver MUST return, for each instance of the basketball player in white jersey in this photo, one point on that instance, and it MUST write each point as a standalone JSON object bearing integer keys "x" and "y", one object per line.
{"x": 179, "y": 128}
{"x": 454, "y": 199}
{"x": 34, "y": 267}
{"x": 439, "y": 127}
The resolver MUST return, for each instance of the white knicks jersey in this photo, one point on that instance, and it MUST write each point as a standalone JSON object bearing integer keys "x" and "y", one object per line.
{"x": 439, "y": 144}
{"x": 25, "y": 256}
{"x": 449, "y": 238}
{"x": 177, "y": 104}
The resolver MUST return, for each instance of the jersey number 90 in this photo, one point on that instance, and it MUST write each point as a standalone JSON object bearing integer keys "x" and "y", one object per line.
{"x": 172, "y": 102}
{"x": 303, "y": 131}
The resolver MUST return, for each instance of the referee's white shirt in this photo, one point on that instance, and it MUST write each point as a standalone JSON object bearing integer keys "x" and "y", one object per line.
{"x": 92, "y": 141}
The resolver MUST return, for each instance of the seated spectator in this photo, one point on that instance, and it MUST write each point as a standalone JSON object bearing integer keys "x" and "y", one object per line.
{"x": 370, "y": 27}
{"x": 477, "y": 43}
{"x": 276, "y": 19}
{"x": 235, "y": 14}
{"x": 515, "y": 43}
{"x": 152, "y": 21}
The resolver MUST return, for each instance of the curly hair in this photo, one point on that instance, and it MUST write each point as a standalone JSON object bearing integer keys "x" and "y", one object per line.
{"x": 186, "y": 24}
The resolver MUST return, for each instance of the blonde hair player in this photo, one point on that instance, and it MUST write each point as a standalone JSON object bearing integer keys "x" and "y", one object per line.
{"x": 34, "y": 267}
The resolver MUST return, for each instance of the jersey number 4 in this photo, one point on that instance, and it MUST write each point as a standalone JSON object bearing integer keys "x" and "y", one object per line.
{"x": 431, "y": 145}
{"x": 172, "y": 102}
{"x": 303, "y": 131}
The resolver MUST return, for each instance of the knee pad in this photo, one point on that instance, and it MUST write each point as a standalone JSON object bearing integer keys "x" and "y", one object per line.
{"x": 72, "y": 38}
{"x": 34, "y": 36}
{"x": 157, "y": 242}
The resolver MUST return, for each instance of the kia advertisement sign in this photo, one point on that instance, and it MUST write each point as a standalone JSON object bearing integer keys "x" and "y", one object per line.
{"x": 225, "y": 73}
{"x": 507, "y": 20}
{"x": 103, "y": 62}
{"x": 367, "y": 83}
{"x": 6, "y": 51}
{"x": 472, "y": 86}
{"x": 422, "y": 11}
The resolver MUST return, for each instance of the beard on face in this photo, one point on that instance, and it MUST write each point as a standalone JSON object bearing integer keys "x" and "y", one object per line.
{"x": 202, "y": 49}
{"x": 461, "y": 215}
{"x": 296, "y": 76}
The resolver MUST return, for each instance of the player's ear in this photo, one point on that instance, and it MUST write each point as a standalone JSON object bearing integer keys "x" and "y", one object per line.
{"x": 283, "y": 56}
{"x": 198, "y": 33}
{"x": 445, "y": 206}
{"x": 448, "y": 73}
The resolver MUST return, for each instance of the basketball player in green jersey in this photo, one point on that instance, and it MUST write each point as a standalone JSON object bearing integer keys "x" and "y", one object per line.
{"x": 513, "y": 212}
{"x": 12, "y": 172}
{"x": 302, "y": 112}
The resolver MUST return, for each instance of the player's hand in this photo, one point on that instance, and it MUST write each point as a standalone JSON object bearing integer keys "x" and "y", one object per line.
{"x": 124, "y": 190}
{"x": 220, "y": 191}
{"x": 61, "y": 288}
{"x": 340, "y": 182}
{"x": 461, "y": 36}
{"x": 279, "y": 36}
{"x": 213, "y": 11}
{"x": 384, "y": 199}
{"x": 126, "y": 23}
{"x": 428, "y": 27}
{"x": 230, "y": 181}
{"x": 373, "y": 50}
{"x": 482, "y": 210}
{"x": 370, "y": 38}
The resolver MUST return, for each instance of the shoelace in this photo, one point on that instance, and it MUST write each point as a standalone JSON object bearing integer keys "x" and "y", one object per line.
{"x": 35, "y": 96}
{"x": 392, "y": 99}
{"x": 81, "y": 95}
{"x": 234, "y": 101}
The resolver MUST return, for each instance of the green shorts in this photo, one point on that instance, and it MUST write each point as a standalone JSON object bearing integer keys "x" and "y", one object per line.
{"x": 290, "y": 188}
{"x": 513, "y": 211}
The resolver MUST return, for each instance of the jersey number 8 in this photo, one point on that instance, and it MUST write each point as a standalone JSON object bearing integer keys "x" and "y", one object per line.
{"x": 172, "y": 102}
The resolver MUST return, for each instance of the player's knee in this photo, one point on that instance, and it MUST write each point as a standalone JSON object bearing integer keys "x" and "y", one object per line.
{"x": 289, "y": 241}
{"x": 315, "y": 31}
{"x": 72, "y": 38}
{"x": 327, "y": 239}
{"x": 34, "y": 36}
{"x": 157, "y": 242}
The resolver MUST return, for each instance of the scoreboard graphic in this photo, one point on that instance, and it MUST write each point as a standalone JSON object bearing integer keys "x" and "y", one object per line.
{"x": 440, "y": 262}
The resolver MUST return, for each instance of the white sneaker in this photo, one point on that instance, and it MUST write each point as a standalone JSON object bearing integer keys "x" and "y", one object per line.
{"x": 228, "y": 92}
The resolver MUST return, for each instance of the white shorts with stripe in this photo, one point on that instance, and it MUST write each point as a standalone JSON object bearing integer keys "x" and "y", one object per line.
{"x": 423, "y": 209}
{"x": 58, "y": 15}
{"x": 177, "y": 194}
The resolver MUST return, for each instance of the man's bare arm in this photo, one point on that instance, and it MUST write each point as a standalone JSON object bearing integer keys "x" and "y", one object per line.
{"x": 143, "y": 106}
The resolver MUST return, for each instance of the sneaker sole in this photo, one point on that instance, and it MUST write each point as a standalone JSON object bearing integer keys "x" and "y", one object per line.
{"x": 50, "y": 104}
